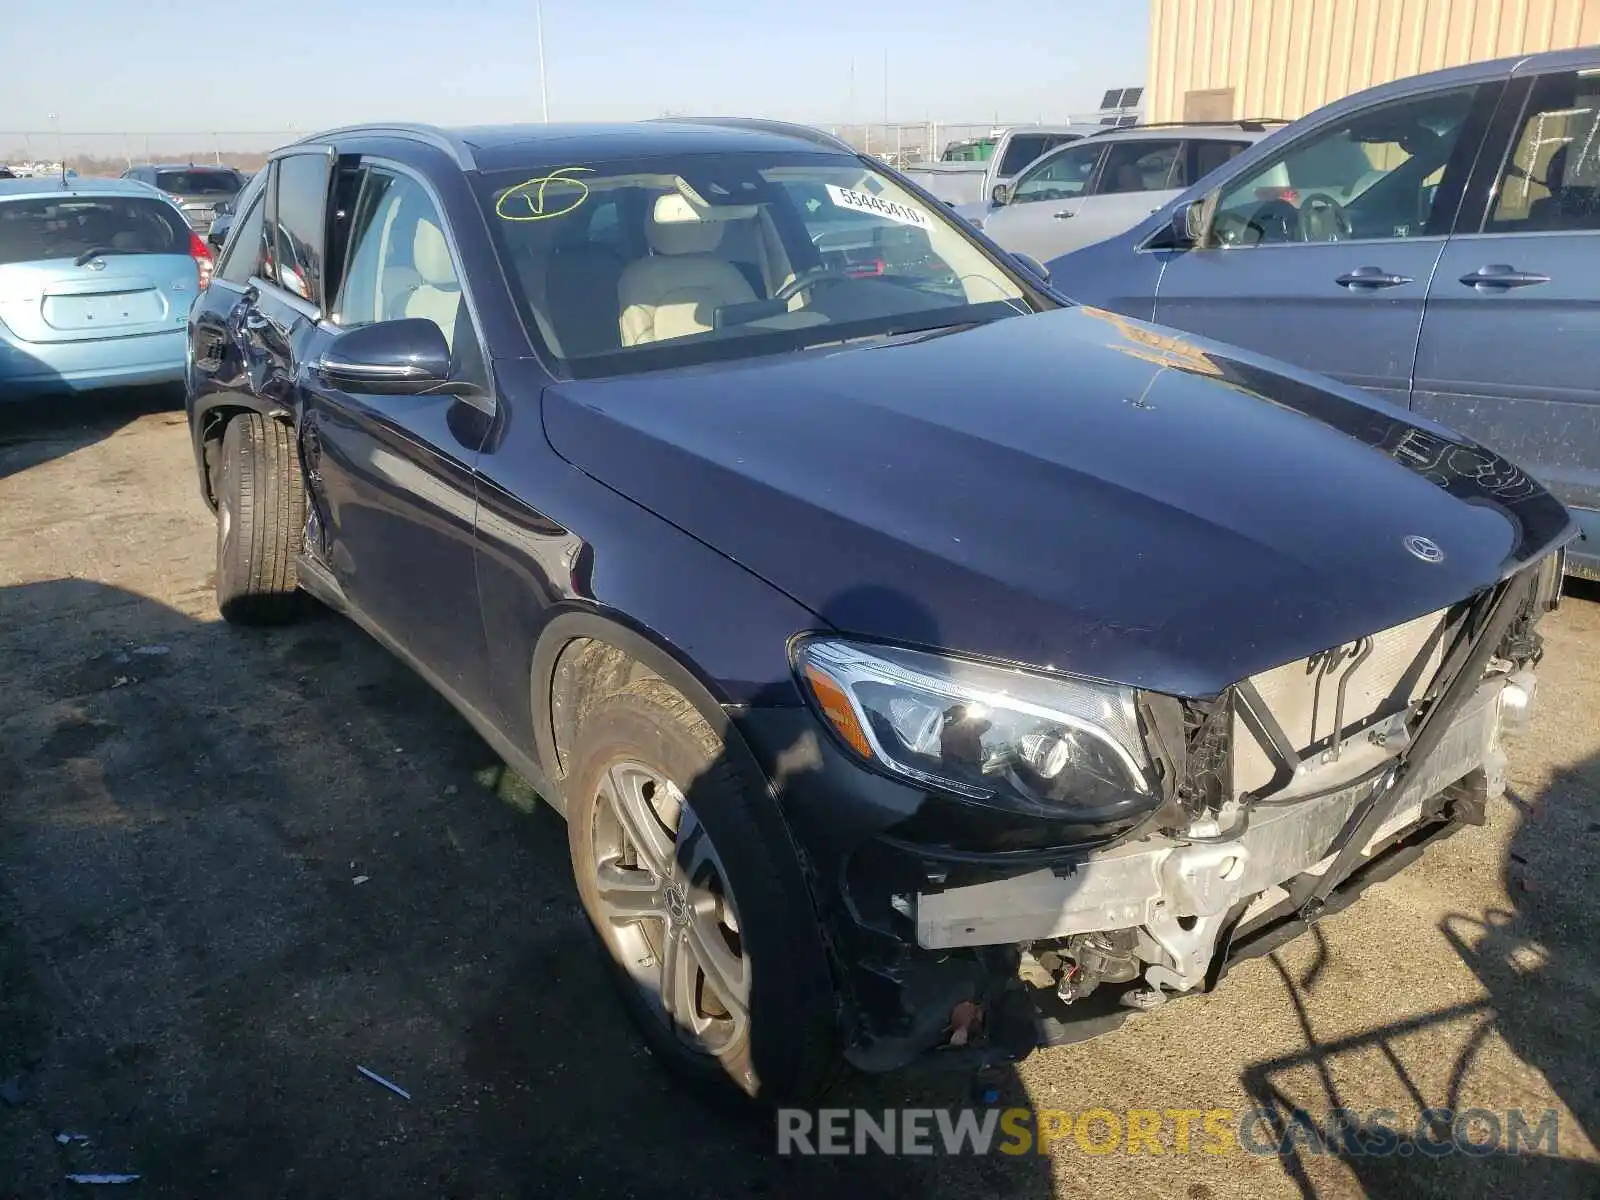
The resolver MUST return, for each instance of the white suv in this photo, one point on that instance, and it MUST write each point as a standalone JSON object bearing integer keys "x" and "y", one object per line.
{"x": 1106, "y": 183}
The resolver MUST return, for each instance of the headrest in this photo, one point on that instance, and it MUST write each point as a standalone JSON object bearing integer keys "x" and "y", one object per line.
{"x": 676, "y": 227}
{"x": 430, "y": 255}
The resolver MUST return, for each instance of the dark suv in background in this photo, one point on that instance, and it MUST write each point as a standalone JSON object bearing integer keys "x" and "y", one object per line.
{"x": 921, "y": 662}
{"x": 201, "y": 192}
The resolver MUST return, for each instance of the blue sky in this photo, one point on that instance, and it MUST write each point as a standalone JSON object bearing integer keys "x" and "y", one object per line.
{"x": 196, "y": 67}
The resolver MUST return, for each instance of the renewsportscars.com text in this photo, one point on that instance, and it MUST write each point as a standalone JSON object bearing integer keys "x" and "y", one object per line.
{"x": 1377, "y": 1133}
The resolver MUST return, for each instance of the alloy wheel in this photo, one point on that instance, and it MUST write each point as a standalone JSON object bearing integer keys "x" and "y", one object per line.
{"x": 667, "y": 908}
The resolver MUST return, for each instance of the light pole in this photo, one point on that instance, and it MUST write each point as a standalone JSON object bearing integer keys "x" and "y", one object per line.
{"x": 544, "y": 90}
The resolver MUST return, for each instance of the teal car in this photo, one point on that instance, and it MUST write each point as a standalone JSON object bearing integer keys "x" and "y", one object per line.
{"x": 96, "y": 280}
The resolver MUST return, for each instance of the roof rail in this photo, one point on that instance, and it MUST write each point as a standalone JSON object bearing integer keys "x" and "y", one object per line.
{"x": 431, "y": 135}
{"x": 1250, "y": 124}
{"x": 785, "y": 128}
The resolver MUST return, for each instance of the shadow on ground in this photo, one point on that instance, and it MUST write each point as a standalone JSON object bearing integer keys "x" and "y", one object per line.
{"x": 234, "y": 866}
{"x": 39, "y": 429}
{"x": 1540, "y": 971}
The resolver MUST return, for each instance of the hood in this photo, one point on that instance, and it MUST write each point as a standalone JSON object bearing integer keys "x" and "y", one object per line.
{"x": 1075, "y": 490}
{"x": 975, "y": 213}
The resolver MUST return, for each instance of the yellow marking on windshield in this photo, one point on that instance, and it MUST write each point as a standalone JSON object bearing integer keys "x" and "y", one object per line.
{"x": 530, "y": 194}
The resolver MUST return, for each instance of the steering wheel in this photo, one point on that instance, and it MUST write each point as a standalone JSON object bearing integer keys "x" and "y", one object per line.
{"x": 1323, "y": 219}
{"x": 1269, "y": 221}
{"x": 1276, "y": 221}
{"x": 808, "y": 278}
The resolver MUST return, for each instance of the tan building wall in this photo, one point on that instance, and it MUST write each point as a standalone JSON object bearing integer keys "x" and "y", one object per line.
{"x": 1221, "y": 59}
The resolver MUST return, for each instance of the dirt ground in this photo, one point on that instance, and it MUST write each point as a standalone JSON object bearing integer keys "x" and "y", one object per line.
{"x": 234, "y": 866}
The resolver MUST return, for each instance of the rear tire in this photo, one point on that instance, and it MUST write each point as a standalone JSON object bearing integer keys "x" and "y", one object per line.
{"x": 737, "y": 866}
{"x": 261, "y": 515}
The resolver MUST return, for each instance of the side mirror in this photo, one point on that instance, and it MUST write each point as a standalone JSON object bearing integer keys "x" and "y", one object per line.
{"x": 1034, "y": 267}
{"x": 394, "y": 358}
{"x": 1189, "y": 224}
{"x": 1001, "y": 195}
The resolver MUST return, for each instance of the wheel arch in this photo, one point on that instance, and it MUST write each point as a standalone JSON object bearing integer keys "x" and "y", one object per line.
{"x": 210, "y": 418}
{"x": 581, "y": 657}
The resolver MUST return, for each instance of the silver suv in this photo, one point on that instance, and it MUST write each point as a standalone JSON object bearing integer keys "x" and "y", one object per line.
{"x": 1099, "y": 186}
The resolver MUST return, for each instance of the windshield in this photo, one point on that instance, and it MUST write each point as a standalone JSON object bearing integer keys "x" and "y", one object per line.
{"x": 41, "y": 228}
{"x": 199, "y": 183}
{"x": 978, "y": 151}
{"x": 674, "y": 260}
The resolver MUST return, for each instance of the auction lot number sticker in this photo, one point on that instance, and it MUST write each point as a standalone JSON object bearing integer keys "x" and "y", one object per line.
{"x": 865, "y": 202}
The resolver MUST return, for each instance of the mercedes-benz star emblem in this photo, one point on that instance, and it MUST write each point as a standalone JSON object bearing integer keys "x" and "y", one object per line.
{"x": 1424, "y": 548}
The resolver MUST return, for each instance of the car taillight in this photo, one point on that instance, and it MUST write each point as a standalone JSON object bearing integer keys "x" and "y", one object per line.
{"x": 201, "y": 253}
{"x": 867, "y": 270}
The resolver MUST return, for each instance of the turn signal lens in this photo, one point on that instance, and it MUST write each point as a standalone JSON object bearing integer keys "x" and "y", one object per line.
{"x": 836, "y": 707}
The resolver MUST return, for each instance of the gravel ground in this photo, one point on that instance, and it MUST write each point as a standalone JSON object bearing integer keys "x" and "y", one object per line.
{"x": 234, "y": 866}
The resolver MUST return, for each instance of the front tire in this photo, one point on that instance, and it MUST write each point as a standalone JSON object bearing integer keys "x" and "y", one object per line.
{"x": 695, "y": 892}
{"x": 261, "y": 514}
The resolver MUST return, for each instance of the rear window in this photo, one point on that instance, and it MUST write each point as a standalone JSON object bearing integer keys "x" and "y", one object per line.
{"x": 1024, "y": 148}
{"x": 49, "y": 227}
{"x": 199, "y": 183}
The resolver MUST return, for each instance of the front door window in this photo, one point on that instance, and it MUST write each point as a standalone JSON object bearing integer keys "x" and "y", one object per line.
{"x": 1064, "y": 176}
{"x": 1375, "y": 175}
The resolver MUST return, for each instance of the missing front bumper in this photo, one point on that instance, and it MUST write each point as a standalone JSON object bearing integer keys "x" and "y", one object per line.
{"x": 1182, "y": 898}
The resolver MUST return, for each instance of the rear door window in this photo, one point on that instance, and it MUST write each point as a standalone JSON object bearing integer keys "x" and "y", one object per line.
{"x": 65, "y": 227}
{"x": 199, "y": 182}
{"x": 1141, "y": 165}
{"x": 302, "y": 192}
{"x": 1551, "y": 182}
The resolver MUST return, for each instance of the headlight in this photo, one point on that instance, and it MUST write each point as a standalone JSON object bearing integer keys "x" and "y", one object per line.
{"x": 1040, "y": 745}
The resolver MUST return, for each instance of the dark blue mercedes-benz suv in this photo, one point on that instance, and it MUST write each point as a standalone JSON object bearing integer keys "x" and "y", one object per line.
{"x": 921, "y": 662}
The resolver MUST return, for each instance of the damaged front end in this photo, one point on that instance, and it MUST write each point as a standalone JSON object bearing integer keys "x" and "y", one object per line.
{"x": 1130, "y": 846}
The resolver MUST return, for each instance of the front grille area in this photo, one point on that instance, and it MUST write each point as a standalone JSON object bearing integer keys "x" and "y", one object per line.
{"x": 1304, "y": 696}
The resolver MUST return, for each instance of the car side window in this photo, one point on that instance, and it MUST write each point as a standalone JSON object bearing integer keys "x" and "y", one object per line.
{"x": 1063, "y": 176}
{"x": 1551, "y": 181}
{"x": 605, "y": 226}
{"x": 302, "y": 183}
{"x": 1139, "y": 166}
{"x": 1022, "y": 150}
{"x": 400, "y": 263}
{"x": 1209, "y": 154}
{"x": 242, "y": 258}
{"x": 1374, "y": 175}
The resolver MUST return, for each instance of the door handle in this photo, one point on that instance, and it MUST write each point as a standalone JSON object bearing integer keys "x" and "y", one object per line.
{"x": 1499, "y": 277}
{"x": 1370, "y": 279}
{"x": 1064, "y": 215}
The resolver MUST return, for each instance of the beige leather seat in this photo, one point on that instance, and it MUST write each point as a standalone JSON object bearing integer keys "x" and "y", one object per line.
{"x": 438, "y": 296}
{"x": 673, "y": 292}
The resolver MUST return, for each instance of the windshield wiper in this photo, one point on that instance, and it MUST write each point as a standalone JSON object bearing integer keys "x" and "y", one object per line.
{"x": 101, "y": 252}
{"x": 898, "y": 337}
